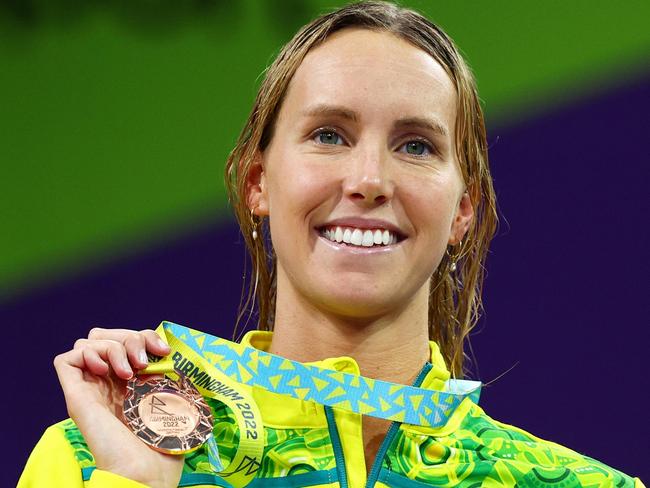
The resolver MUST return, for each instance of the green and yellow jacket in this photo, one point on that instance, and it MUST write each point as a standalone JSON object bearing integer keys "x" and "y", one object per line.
{"x": 310, "y": 445}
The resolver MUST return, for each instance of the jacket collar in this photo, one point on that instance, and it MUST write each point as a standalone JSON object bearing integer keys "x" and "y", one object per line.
{"x": 434, "y": 379}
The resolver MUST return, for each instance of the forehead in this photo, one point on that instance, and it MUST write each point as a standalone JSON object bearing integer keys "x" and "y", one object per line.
{"x": 375, "y": 74}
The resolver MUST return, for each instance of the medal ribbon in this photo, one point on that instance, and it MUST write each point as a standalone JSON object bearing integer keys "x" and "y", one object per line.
{"x": 248, "y": 366}
{"x": 211, "y": 382}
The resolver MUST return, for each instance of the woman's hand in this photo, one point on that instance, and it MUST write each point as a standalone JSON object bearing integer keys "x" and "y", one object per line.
{"x": 93, "y": 376}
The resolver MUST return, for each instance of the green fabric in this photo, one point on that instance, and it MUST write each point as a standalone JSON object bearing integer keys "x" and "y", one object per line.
{"x": 480, "y": 450}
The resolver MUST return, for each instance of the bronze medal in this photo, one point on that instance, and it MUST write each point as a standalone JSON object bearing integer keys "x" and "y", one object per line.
{"x": 169, "y": 416}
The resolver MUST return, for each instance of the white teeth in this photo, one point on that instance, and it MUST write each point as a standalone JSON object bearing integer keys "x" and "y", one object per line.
{"x": 357, "y": 237}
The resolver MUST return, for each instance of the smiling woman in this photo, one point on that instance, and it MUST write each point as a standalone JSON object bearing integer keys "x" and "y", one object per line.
{"x": 362, "y": 187}
{"x": 386, "y": 83}
{"x": 347, "y": 168}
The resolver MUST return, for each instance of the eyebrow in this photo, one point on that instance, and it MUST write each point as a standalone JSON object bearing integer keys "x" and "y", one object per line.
{"x": 331, "y": 110}
{"x": 345, "y": 113}
{"x": 423, "y": 123}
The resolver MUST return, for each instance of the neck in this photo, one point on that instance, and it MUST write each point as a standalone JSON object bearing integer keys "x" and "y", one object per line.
{"x": 392, "y": 347}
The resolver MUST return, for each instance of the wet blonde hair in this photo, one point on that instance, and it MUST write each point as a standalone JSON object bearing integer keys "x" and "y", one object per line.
{"x": 455, "y": 296}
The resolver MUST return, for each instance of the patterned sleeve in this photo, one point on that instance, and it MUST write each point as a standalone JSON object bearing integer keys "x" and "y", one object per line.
{"x": 53, "y": 464}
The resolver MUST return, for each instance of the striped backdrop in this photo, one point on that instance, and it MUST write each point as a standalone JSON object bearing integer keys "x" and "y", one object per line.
{"x": 116, "y": 119}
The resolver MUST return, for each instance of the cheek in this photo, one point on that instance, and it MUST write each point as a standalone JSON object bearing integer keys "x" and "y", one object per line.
{"x": 432, "y": 205}
{"x": 297, "y": 184}
{"x": 296, "y": 189}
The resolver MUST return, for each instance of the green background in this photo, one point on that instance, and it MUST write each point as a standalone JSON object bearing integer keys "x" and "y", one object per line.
{"x": 116, "y": 118}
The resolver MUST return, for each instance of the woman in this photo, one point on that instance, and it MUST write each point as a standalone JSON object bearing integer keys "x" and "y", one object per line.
{"x": 364, "y": 162}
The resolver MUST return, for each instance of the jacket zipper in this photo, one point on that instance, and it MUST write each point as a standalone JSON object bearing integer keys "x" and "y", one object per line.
{"x": 338, "y": 448}
{"x": 388, "y": 440}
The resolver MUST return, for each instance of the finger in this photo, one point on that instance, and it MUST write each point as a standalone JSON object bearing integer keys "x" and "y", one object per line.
{"x": 136, "y": 350}
{"x": 119, "y": 335}
{"x": 111, "y": 352}
{"x": 69, "y": 369}
{"x": 116, "y": 354}
{"x": 154, "y": 343}
{"x": 70, "y": 359}
{"x": 93, "y": 362}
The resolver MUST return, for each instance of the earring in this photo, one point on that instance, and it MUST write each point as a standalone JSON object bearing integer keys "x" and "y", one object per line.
{"x": 453, "y": 259}
{"x": 254, "y": 224}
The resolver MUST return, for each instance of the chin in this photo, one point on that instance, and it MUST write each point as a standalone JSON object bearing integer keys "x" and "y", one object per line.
{"x": 359, "y": 303}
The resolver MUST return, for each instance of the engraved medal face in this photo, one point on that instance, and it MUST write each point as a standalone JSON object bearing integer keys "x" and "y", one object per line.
{"x": 170, "y": 416}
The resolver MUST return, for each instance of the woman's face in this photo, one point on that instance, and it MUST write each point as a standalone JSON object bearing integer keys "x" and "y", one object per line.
{"x": 360, "y": 181}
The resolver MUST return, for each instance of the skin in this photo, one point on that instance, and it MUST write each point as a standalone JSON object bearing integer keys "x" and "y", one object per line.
{"x": 331, "y": 301}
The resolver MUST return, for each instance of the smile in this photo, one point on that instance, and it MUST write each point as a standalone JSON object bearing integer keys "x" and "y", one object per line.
{"x": 355, "y": 237}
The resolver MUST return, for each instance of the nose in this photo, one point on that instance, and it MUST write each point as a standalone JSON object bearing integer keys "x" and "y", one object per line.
{"x": 369, "y": 182}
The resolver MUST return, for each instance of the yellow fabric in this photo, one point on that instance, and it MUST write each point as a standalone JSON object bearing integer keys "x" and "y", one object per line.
{"x": 52, "y": 459}
{"x": 104, "y": 479}
{"x": 52, "y": 464}
{"x": 282, "y": 411}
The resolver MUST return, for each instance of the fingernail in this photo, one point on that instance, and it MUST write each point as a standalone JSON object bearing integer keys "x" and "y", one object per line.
{"x": 142, "y": 356}
{"x": 127, "y": 367}
{"x": 163, "y": 344}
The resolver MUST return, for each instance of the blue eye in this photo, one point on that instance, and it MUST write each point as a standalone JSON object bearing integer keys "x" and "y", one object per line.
{"x": 329, "y": 137}
{"x": 417, "y": 148}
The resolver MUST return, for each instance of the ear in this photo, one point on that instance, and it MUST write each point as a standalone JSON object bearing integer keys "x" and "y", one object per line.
{"x": 462, "y": 220}
{"x": 256, "y": 192}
